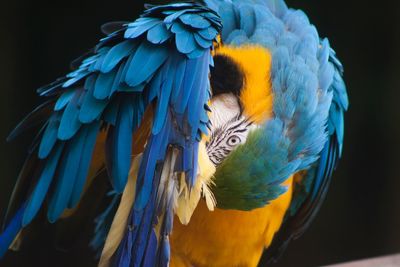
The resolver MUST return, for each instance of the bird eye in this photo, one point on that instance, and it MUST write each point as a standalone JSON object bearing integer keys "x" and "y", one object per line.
{"x": 233, "y": 140}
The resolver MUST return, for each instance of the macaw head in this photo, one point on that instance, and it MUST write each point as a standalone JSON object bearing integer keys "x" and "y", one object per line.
{"x": 242, "y": 97}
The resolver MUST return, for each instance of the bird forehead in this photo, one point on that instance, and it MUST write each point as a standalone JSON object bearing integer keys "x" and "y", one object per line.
{"x": 256, "y": 95}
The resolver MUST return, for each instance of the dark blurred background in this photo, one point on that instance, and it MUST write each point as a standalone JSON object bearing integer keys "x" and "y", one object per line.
{"x": 360, "y": 217}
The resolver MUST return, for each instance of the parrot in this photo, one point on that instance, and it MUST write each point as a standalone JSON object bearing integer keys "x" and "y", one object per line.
{"x": 212, "y": 129}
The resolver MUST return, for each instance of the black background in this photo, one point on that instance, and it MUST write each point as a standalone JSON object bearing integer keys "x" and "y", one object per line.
{"x": 361, "y": 215}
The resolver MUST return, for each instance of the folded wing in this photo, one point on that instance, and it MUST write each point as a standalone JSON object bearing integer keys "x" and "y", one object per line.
{"x": 160, "y": 62}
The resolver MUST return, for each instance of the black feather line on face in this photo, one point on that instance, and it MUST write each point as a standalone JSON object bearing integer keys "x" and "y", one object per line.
{"x": 226, "y": 76}
{"x": 217, "y": 148}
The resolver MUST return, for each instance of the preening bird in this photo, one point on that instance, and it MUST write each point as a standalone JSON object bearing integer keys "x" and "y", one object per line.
{"x": 218, "y": 124}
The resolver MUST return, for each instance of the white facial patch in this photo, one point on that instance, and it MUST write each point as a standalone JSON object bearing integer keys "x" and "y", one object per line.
{"x": 229, "y": 128}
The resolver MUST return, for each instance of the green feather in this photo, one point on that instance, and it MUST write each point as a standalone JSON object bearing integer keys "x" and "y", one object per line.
{"x": 242, "y": 181}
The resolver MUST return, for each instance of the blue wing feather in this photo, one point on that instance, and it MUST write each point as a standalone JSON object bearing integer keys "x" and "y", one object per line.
{"x": 151, "y": 251}
{"x": 192, "y": 67}
{"x": 83, "y": 167}
{"x": 158, "y": 34}
{"x": 148, "y": 58}
{"x": 64, "y": 99}
{"x": 116, "y": 54}
{"x": 178, "y": 81}
{"x": 66, "y": 176}
{"x": 70, "y": 123}
{"x": 136, "y": 29}
{"x": 91, "y": 107}
{"x": 118, "y": 79}
{"x": 185, "y": 42}
{"x": 122, "y": 146}
{"x": 187, "y": 76}
{"x": 208, "y": 33}
{"x": 201, "y": 41}
{"x": 36, "y": 198}
{"x": 163, "y": 98}
{"x": 13, "y": 228}
{"x": 49, "y": 138}
{"x": 195, "y": 21}
{"x": 103, "y": 85}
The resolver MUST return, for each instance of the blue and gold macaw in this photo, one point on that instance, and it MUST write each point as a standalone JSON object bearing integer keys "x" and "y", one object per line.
{"x": 218, "y": 123}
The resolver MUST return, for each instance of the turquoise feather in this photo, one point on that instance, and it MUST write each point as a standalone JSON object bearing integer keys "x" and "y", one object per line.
{"x": 36, "y": 198}
{"x": 309, "y": 95}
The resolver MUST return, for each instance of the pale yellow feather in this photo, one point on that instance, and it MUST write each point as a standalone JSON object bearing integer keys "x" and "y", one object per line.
{"x": 188, "y": 199}
{"x": 119, "y": 224}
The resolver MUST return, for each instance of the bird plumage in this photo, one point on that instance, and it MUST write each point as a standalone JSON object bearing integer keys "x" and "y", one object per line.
{"x": 234, "y": 106}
